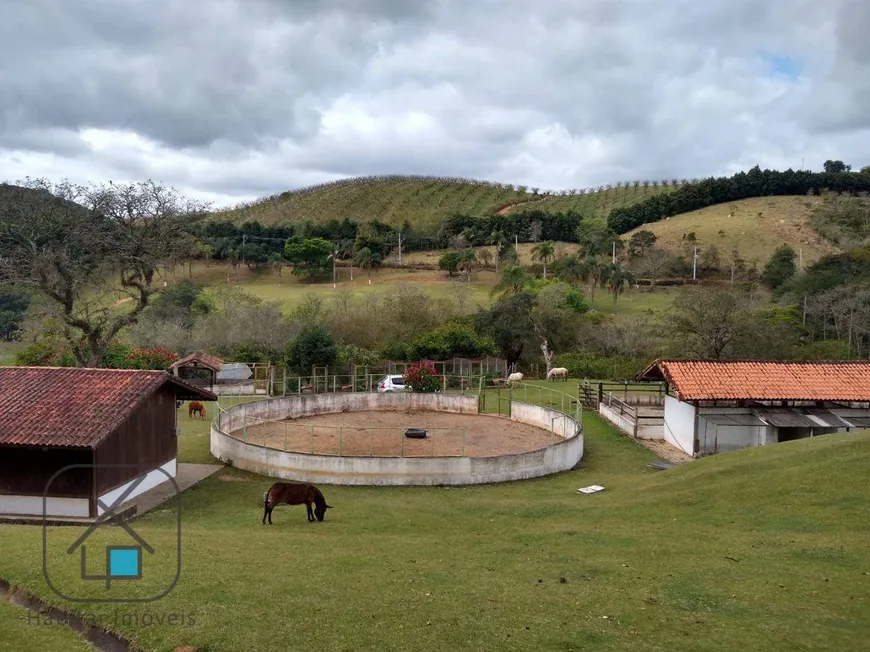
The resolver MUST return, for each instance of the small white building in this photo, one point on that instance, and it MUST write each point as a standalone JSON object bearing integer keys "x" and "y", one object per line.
{"x": 716, "y": 406}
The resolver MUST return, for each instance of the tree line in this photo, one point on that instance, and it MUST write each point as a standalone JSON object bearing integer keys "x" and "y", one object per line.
{"x": 755, "y": 183}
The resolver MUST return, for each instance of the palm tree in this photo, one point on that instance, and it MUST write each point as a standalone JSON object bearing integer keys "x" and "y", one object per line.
{"x": 345, "y": 251}
{"x": 498, "y": 239}
{"x": 485, "y": 257}
{"x": 616, "y": 279}
{"x": 590, "y": 270}
{"x": 513, "y": 280}
{"x": 544, "y": 251}
{"x": 466, "y": 262}
{"x": 366, "y": 258}
{"x": 570, "y": 269}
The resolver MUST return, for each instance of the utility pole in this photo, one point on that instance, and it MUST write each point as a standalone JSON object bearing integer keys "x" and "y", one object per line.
{"x": 800, "y": 260}
{"x": 244, "y": 239}
{"x": 695, "y": 264}
{"x": 334, "y": 257}
{"x": 613, "y": 255}
{"x": 516, "y": 241}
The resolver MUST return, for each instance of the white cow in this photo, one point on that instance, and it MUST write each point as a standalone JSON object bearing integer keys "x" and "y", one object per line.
{"x": 515, "y": 378}
{"x": 557, "y": 372}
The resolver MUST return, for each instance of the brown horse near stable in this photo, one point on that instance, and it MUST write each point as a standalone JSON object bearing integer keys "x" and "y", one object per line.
{"x": 195, "y": 407}
{"x": 295, "y": 493}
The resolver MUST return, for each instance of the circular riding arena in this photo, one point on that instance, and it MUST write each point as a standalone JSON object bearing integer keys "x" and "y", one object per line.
{"x": 360, "y": 438}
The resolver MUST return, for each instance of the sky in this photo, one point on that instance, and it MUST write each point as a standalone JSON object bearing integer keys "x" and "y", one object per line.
{"x": 231, "y": 100}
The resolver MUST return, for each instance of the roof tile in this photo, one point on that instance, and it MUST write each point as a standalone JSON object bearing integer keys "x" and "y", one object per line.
{"x": 699, "y": 380}
{"x": 72, "y": 407}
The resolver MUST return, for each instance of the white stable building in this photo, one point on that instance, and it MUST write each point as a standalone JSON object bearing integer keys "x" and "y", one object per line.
{"x": 713, "y": 406}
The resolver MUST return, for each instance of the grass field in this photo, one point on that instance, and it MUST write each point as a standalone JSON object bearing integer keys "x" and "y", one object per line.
{"x": 18, "y": 634}
{"x": 524, "y": 251}
{"x": 757, "y": 549}
{"x": 290, "y": 291}
{"x": 782, "y": 220}
{"x": 424, "y": 202}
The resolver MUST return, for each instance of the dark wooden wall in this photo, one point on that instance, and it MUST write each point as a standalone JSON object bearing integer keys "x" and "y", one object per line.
{"x": 26, "y": 471}
{"x": 146, "y": 440}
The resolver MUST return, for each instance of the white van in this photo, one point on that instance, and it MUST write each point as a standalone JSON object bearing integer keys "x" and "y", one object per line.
{"x": 391, "y": 384}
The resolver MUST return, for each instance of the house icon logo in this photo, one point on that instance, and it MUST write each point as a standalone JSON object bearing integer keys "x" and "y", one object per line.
{"x": 107, "y": 550}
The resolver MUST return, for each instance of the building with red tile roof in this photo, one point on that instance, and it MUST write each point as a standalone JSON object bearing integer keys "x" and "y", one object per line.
{"x": 117, "y": 425}
{"x": 750, "y": 380}
{"x": 712, "y": 406}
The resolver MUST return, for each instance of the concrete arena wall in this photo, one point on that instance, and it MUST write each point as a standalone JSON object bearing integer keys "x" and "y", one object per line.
{"x": 332, "y": 469}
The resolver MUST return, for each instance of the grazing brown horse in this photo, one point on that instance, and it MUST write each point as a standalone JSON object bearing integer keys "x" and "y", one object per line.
{"x": 195, "y": 406}
{"x": 295, "y": 493}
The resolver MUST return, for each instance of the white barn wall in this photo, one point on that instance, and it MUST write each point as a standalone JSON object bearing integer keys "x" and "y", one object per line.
{"x": 33, "y": 506}
{"x": 154, "y": 478}
{"x": 680, "y": 424}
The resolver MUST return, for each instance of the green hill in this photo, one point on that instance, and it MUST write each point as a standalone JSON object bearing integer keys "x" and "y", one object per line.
{"x": 755, "y": 226}
{"x": 424, "y": 201}
{"x": 761, "y": 549}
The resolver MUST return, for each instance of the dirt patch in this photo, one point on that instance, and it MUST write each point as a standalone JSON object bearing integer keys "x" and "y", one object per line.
{"x": 382, "y": 434}
{"x": 666, "y": 451}
{"x": 504, "y": 210}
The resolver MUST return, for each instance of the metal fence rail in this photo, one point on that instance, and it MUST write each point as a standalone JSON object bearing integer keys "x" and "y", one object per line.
{"x": 390, "y": 441}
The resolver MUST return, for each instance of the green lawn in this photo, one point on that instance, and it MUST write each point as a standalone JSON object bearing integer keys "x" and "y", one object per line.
{"x": 18, "y": 633}
{"x": 765, "y": 548}
{"x": 290, "y": 291}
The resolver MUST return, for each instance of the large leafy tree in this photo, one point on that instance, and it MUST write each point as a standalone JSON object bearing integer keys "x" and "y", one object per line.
{"x": 93, "y": 251}
{"x": 314, "y": 347}
{"x": 509, "y": 324}
{"x": 653, "y": 264}
{"x": 780, "y": 268}
{"x": 708, "y": 321}
{"x": 308, "y": 256}
{"x": 554, "y": 318}
{"x": 640, "y": 242}
{"x": 836, "y": 166}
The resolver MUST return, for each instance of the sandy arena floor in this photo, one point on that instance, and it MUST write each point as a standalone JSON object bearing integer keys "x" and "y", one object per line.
{"x": 382, "y": 434}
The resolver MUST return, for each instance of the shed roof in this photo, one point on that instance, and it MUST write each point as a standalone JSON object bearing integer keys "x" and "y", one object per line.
{"x": 706, "y": 380}
{"x": 75, "y": 407}
{"x": 201, "y": 359}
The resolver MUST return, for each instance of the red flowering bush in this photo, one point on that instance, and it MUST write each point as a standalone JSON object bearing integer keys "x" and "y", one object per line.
{"x": 150, "y": 359}
{"x": 422, "y": 377}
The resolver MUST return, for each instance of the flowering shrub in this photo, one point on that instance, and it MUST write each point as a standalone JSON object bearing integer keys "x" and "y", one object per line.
{"x": 150, "y": 359}
{"x": 422, "y": 377}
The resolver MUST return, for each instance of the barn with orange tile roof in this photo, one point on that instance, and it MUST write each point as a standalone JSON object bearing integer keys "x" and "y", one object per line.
{"x": 712, "y": 406}
{"x": 113, "y": 426}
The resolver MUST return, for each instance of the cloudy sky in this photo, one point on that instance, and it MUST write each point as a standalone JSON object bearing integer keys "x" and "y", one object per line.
{"x": 229, "y": 100}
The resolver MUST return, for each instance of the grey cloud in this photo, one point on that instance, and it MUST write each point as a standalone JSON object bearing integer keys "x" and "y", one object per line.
{"x": 842, "y": 102}
{"x": 257, "y": 96}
